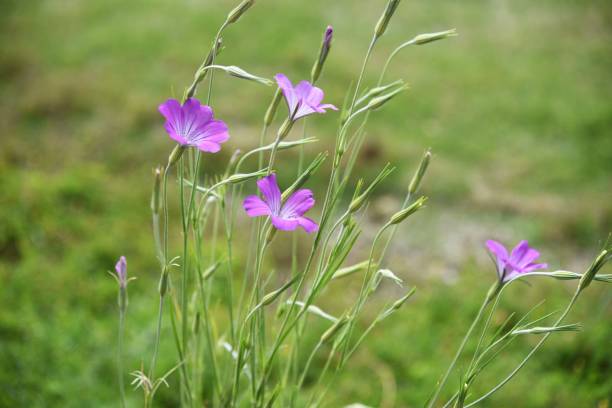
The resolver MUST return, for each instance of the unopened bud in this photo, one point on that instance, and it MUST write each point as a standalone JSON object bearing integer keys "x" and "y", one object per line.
{"x": 431, "y": 37}
{"x": 272, "y": 296}
{"x": 303, "y": 178}
{"x": 545, "y": 330}
{"x": 323, "y": 52}
{"x": 156, "y": 197}
{"x": 408, "y": 211}
{"x": 236, "y": 13}
{"x": 383, "y": 22}
{"x": 597, "y": 264}
{"x": 377, "y": 91}
{"x": 242, "y": 74}
{"x": 360, "y": 200}
{"x": 163, "y": 283}
{"x": 285, "y": 128}
{"x": 400, "y": 302}
{"x": 418, "y": 176}
{"x": 349, "y": 270}
{"x": 176, "y": 154}
{"x": 376, "y": 103}
{"x": 211, "y": 270}
{"x": 271, "y": 112}
{"x": 333, "y": 330}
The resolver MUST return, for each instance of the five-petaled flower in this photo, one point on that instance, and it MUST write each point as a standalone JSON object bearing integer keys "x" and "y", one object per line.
{"x": 521, "y": 260}
{"x": 285, "y": 216}
{"x": 192, "y": 124}
{"x": 303, "y": 99}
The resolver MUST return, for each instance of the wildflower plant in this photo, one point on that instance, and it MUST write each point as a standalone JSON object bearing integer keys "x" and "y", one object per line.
{"x": 253, "y": 354}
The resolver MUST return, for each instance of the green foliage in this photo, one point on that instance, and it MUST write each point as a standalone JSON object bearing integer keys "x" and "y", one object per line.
{"x": 516, "y": 107}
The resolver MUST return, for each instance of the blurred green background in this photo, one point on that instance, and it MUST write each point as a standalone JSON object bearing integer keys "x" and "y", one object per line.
{"x": 517, "y": 110}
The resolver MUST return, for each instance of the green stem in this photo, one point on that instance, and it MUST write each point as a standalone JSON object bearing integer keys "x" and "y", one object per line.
{"x": 433, "y": 399}
{"x": 120, "y": 356}
{"x": 157, "y": 337}
{"x": 531, "y": 353}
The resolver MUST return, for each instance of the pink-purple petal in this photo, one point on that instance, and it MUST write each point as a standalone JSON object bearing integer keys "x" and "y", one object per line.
{"x": 255, "y": 207}
{"x": 518, "y": 252}
{"x": 287, "y": 88}
{"x": 298, "y": 204}
{"x": 308, "y": 224}
{"x": 284, "y": 224}
{"x": 272, "y": 195}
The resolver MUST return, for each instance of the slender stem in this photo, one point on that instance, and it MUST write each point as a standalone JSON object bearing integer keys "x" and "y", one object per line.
{"x": 433, "y": 399}
{"x": 531, "y": 353}
{"x": 157, "y": 337}
{"x": 120, "y": 355}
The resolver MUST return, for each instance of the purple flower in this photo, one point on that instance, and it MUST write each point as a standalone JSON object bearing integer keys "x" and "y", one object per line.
{"x": 192, "y": 124}
{"x": 121, "y": 269}
{"x": 520, "y": 261}
{"x": 285, "y": 216}
{"x": 302, "y": 100}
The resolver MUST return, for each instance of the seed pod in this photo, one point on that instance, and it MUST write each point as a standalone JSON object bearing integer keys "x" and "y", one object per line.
{"x": 418, "y": 176}
{"x": 236, "y": 13}
{"x": 156, "y": 197}
{"x": 406, "y": 212}
{"x": 383, "y": 22}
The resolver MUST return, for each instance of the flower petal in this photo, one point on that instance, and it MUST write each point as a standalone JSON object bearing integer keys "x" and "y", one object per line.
{"x": 255, "y": 207}
{"x": 308, "y": 224}
{"x": 519, "y": 252}
{"x": 284, "y": 224}
{"x": 532, "y": 267}
{"x": 497, "y": 249}
{"x": 272, "y": 195}
{"x": 287, "y": 88}
{"x": 529, "y": 256}
{"x": 298, "y": 203}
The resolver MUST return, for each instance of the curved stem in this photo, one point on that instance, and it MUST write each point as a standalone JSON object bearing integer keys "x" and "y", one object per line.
{"x": 531, "y": 353}
{"x": 458, "y": 353}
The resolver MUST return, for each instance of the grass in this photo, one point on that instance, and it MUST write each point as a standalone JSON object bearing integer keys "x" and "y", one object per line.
{"x": 516, "y": 109}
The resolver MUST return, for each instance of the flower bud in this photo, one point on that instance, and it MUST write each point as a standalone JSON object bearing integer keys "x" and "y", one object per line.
{"x": 242, "y": 74}
{"x": 325, "y": 47}
{"x": 376, "y": 103}
{"x": 377, "y": 91}
{"x": 272, "y": 296}
{"x": 545, "y": 330}
{"x": 349, "y": 270}
{"x": 431, "y": 37}
{"x": 210, "y": 270}
{"x": 176, "y": 154}
{"x": 408, "y": 211}
{"x": 418, "y": 176}
{"x": 271, "y": 112}
{"x": 156, "y": 197}
{"x": 303, "y": 178}
{"x": 285, "y": 129}
{"x": 358, "y": 202}
{"x": 597, "y": 264}
{"x": 333, "y": 330}
{"x": 236, "y": 13}
{"x": 383, "y": 22}
{"x": 163, "y": 283}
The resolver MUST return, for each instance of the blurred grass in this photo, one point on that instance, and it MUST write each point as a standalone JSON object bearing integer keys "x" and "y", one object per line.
{"x": 517, "y": 110}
